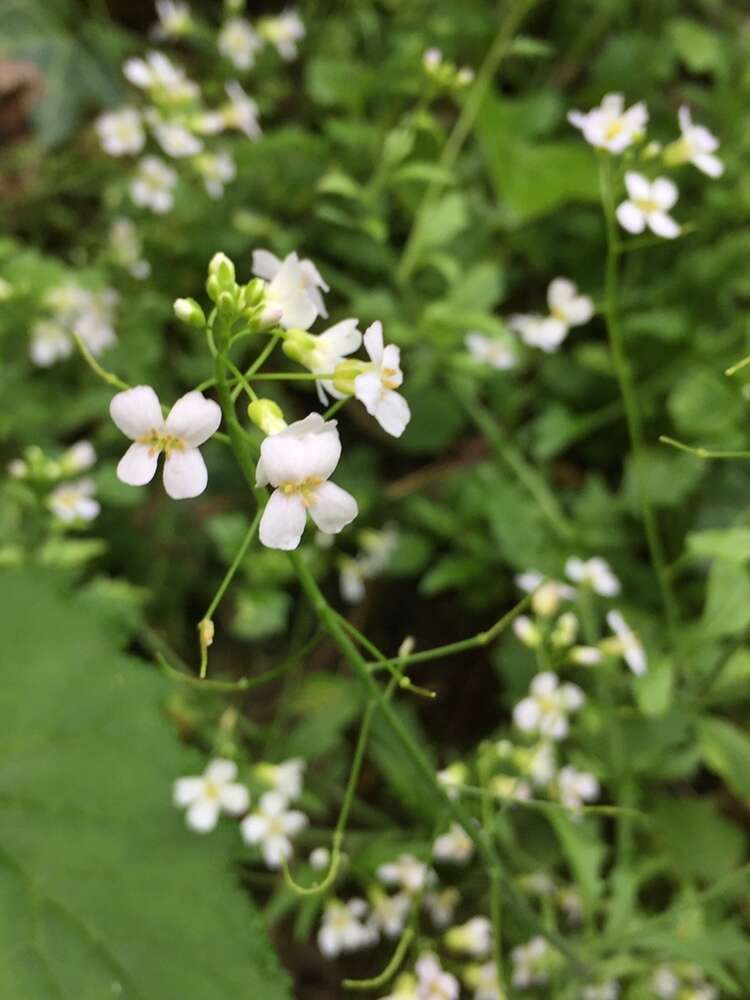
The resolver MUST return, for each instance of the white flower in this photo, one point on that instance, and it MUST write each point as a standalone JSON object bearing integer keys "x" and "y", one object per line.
{"x": 527, "y": 960}
{"x": 431, "y": 59}
{"x": 571, "y": 904}
{"x": 344, "y": 929}
{"x": 176, "y": 140}
{"x": 545, "y": 710}
{"x": 376, "y": 388}
{"x": 298, "y": 462}
{"x": 483, "y": 980}
{"x": 238, "y": 42}
{"x": 390, "y": 912}
{"x": 629, "y": 645}
{"x": 152, "y": 185}
{"x": 161, "y": 77}
{"x": 93, "y": 323}
{"x": 526, "y": 631}
{"x": 283, "y": 32}
{"x": 191, "y": 421}
{"x": 377, "y": 549}
{"x": 79, "y": 456}
{"x": 441, "y": 906}
{"x": 125, "y": 247}
{"x": 285, "y": 778}
{"x": 610, "y": 126}
{"x": 699, "y": 145}
{"x": 49, "y": 343}
{"x": 586, "y": 656}
{"x": 472, "y": 938}
{"x": 602, "y": 991}
{"x": 506, "y": 786}
{"x": 211, "y": 794}
{"x": 541, "y": 763}
{"x": 548, "y": 594}
{"x": 665, "y": 983}
{"x": 452, "y": 777}
{"x": 455, "y": 845}
{"x": 74, "y": 501}
{"x": 648, "y": 205}
{"x": 120, "y": 132}
{"x": 293, "y": 283}
{"x": 322, "y": 352}
{"x": 465, "y": 76}
{"x": 576, "y": 787}
{"x": 175, "y": 19}
{"x": 320, "y": 858}
{"x": 490, "y": 351}
{"x": 433, "y": 983}
{"x": 217, "y": 169}
{"x": 566, "y": 305}
{"x": 272, "y": 826}
{"x": 544, "y": 332}
{"x": 351, "y": 580}
{"x": 595, "y": 573}
{"x": 406, "y": 871}
{"x": 241, "y": 112}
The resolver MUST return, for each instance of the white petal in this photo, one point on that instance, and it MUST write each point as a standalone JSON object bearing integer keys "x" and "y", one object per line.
{"x": 374, "y": 341}
{"x": 631, "y": 217}
{"x": 138, "y": 465}
{"x": 709, "y": 164}
{"x": 253, "y": 828}
{"x": 635, "y": 657}
{"x": 684, "y": 117}
{"x": 333, "y": 508}
{"x": 187, "y": 790}
{"x": 283, "y": 521}
{"x": 294, "y": 821}
{"x": 275, "y": 850}
{"x": 304, "y": 449}
{"x": 234, "y": 799}
{"x": 560, "y": 292}
{"x": 265, "y": 264}
{"x": 343, "y": 338}
{"x": 637, "y": 186}
{"x": 368, "y": 388}
{"x": 664, "y": 192}
{"x": 221, "y": 771}
{"x": 203, "y": 815}
{"x": 575, "y": 569}
{"x": 579, "y": 310}
{"x": 526, "y": 714}
{"x": 392, "y": 413}
{"x": 185, "y": 474}
{"x": 663, "y": 225}
{"x": 299, "y": 311}
{"x": 544, "y": 684}
{"x": 136, "y": 411}
{"x": 193, "y": 418}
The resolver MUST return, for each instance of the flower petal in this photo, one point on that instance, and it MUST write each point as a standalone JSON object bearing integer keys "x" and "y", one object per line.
{"x": 392, "y": 413}
{"x": 374, "y": 341}
{"x": 187, "y": 790}
{"x": 333, "y": 508}
{"x": 663, "y": 225}
{"x": 138, "y": 465}
{"x": 253, "y": 828}
{"x": 368, "y": 388}
{"x": 193, "y": 418}
{"x": 203, "y": 815}
{"x": 234, "y": 799}
{"x": 283, "y": 521}
{"x": 136, "y": 411}
{"x": 637, "y": 185}
{"x": 221, "y": 771}
{"x": 265, "y": 264}
{"x": 709, "y": 164}
{"x": 343, "y": 338}
{"x": 185, "y": 474}
{"x": 560, "y": 292}
{"x": 631, "y": 217}
{"x": 306, "y": 448}
{"x": 664, "y": 192}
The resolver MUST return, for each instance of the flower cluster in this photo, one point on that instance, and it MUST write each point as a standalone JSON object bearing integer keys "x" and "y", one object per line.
{"x": 70, "y": 499}
{"x": 567, "y": 309}
{"x": 445, "y": 74}
{"x": 73, "y": 311}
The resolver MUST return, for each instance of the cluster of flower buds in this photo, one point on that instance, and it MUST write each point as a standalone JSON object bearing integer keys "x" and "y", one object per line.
{"x": 55, "y": 484}
{"x": 71, "y": 311}
{"x": 444, "y": 74}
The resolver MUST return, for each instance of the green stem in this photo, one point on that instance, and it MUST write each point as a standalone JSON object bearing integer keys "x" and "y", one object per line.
{"x": 394, "y": 963}
{"x": 496, "y": 915}
{"x": 702, "y": 452}
{"x": 258, "y": 363}
{"x": 94, "y": 365}
{"x": 629, "y": 394}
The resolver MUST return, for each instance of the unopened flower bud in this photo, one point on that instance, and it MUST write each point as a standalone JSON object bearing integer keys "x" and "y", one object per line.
{"x": 546, "y": 599}
{"x": 346, "y": 372}
{"x": 267, "y": 415}
{"x": 206, "y": 632}
{"x": 526, "y": 631}
{"x": 223, "y": 269}
{"x": 213, "y": 287}
{"x": 586, "y": 656}
{"x": 406, "y": 648}
{"x": 465, "y": 76}
{"x": 188, "y": 311}
{"x": 565, "y": 631}
{"x": 225, "y": 303}
{"x": 299, "y": 346}
{"x": 252, "y": 293}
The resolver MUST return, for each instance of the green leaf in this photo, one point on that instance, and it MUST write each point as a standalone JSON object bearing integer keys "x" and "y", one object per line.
{"x": 726, "y": 750}
{"x": 697, "y": 46}
{"x": 584, "y": 852}
{"x": 713, "y": 849}
{"x": 727, "y": 610}
{"x": 730, "y": 544}
{"x": 102, "y": 888}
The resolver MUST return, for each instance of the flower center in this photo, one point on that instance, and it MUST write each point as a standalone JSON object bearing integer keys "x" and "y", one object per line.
{"x": 210, "y": 790}
{"x": 647, "y": 205}
{"x": 614, "y": 128}
{"x": 304, "y": 490}
{"x": 389, "y": 378}
{"x": 159, "y": 441}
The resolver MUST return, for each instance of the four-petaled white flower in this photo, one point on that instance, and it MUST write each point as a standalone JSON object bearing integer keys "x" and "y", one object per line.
{"x": 285, "y": 778}
{"x": 74, "y": 501}
{"x": 545, "y": 710}
{"x": 610, "y": 126}
{"x": 528, "y": 963}
{"x": 152, "y": 185}
{"x": 566, "y": 305}
{"x": 406, "y": 871}
{"x": 238, "y": 42}
{"x": 120, "y": 132}
{"x": 699, "y": 145}
{"x": 390, "y": 912}
{"x": 49, "y": 342}
{"x": 490, "y": 351}
{"x": 191, "y": 422}
{"x": 544, "y": 332}
{"x": 628, "y": 643}
{"x": 175, "y": 19}
{"x": 241, "y": 112}
{"x": 344, "y": 927}
{"x": 595, "y": 573}
{"x": 575, "y": 787}
{"x": 472, "y": 938}
{"x": 298, "y": 462}
{"x": 289, "y": 279}
{"x": 548, "y": 594}
{"x": 214, "y": 792}
{"x": 648, "y": 205}
{"x": 272, "y": 826}
{"x": 217, "y": 169}
{"x": 326, "y": 350}
{"x": 433, "y": 982}
{"x": 157, "y": 73}
{"x": 455, "y": 845}
{"x": 284, "y": 32}
{"x": 376, "y": 388}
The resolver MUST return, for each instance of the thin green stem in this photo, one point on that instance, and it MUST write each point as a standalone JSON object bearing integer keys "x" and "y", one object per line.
{"x": 394, "y": 964}
{"x": 335, "y": 407}
{"x": 396, "y": 667}
{"x": 258, "y": 363}
{"x": 738, "y": 366}
{"x": 703, "y": 453}
{"x": 629, "y": 394}
{"x": 496, "y": 913}
{"x": 94, "y": 365}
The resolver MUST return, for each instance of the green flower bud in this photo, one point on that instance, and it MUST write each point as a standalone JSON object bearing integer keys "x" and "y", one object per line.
{"x": 225, "y": 303}
{"x": 223, "y": 269}
{"x": 267, "y": 415}
{"x": 299, "y": 346}
{"x": 253, "y": 292}
{"x": 213, "y": 287}
{"x": 346, "y": 372}
{"x": 190, "y": 312}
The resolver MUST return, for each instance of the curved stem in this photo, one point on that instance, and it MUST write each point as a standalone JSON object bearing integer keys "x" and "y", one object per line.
{"x": 391, "y": 968}
{"x": 703, "y": 453}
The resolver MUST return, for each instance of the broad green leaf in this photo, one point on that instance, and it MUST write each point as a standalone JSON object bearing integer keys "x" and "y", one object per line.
{"x": 730, "y": 544}
{"x": 727, "y": 610}
{"x": 715, "y": 846}
{"x": 726, "y": 750}
{"x": 103, "y": 891}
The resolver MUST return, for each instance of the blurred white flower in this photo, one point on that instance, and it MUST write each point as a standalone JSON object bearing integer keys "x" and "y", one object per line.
{"x": 541, "y": 763}
{"x": 298, "y": 462}
{"x": 152, "y": 185}
{"x": 544, "y": 332}
{"x": 602, "y": 991}
{"x": 241, "y": 112}
{"x": 698, "y": 145}
{"x": 238, "y": 42}
{"x": 610, "y": 126}
{"x": 191, "y": 422}
{"x": 49, "y": 342}
{"x": 508, "y": 786}
{"x": 272, "y": 826}
{"x": 320, "y": 858}
{"x": 376, "y": 388}
{"x": 648, "y": 205}
{"x": 546, "y": 709}
{"x": 490, "y": 351}
{"x": 472, "y": 938}
{"x": 431, "y": 59}
{"x": 125, "y": 247}
{"x": 575, "y": 787}
{"x": 566, "y": 305}
{"x": 433, "y": 983}
{"x": 344, "y": 927}
{"x": 158, "y": 75}
{"x": 406, "y": 871}
{"x": 626, "y": 643}
{"x": 548, "y": 593}
{"x": 302, "y": 276}
{"x": 483, "y": 980}
{"x": 283, "y": 32}
{"x": 74, "y": 501}
{"x": 120, "y": 132}
{"x": 94, "y": 321}
{"x": 79, "y": 456}
{"x": 665, "y": 983}
{"x": 571, "y": 903}
{"x": 285, "y": 778}
{"x": 175, "y": 140}
{"x": 217, "y": 169}
{"x": 214, "y": 792}
{"x": 528, "y": 963}
{"x": 175, "y": 19}
{"x": 452, "y": 777}
{"x": 389, "y": 913}
{"x": 595, "y": 573}
{"x": 351, "y": 580}
{"x": 455, "y": 845}
{"x": 441, "y": 906}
